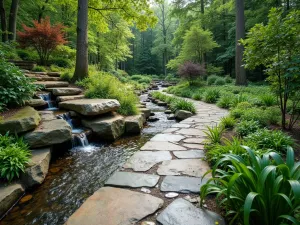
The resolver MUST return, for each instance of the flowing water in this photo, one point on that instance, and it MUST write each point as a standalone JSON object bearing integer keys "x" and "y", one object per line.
{"x": 52, "y": 106}
{"x": 77, "y": 174}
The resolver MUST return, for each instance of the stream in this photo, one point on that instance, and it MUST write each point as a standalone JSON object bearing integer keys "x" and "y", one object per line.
{"x": 78, "y": 173}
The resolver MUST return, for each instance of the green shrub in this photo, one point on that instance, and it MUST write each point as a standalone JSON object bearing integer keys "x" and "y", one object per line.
{"x": 245, "y": 127}
{"x": 237, "y": 113}
{"x": 273, "y": 115}
{"x": 244, "y": 105}
{"x": 256, "y": 114}
{"x": 15, "y": 87}
{"x": 225, "y": 101}
{"x": 211, "y": 96}
{"x": 186, "y": 93}
{"x": 268, "y": 100}
{"x": 64, "y": 52}
{"x": 61, "y": 62}
{"x": 8, "y": 50}
{"x": 214, "y": 134}
{"x": 107, "y": 86}
{"x": 212, "y": 79}
{"x": 14, "y": 156}
{"x": 67, "y": 75}
{"x": 39, "y": 69}
{"x": 239, "y": 99}
{"x": 182, "y": 104}
{"x": 54, "y": 68}
{"x": 23, "y": 54}
{"x": 261, "y": 190}
{"x": 197, "y": 95}
{"x": 228, "y": 122}
{"x": 270, "y": 139}
{"x": 228, "y": 79}
{"x": 220, "y": 81}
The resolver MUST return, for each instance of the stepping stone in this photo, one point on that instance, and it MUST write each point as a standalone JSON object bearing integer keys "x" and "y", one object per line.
{"x": 191, "y": 131}
{"x": 68, "y": 98}
{"x": 9, "y": 195}
{"x": 181, "y": 125}
{"x": 194, "y": 140}
{"x": 194, "y": 146}
{"x": 36, "y": 102}
{"x": 144, "y": 160}
{"x": 111, "y": 206}
{"x": 134, "y": 180}
{"x": 189, "y": 154}
{"x": 53, "y": 74}
{"x": 182, "y": 212}
{"x": 51, "y": 84}
{"x": 190, "y": 167}
{"x": 182, "y": 184}
{"x": 161, "y": 146}
{"x": 170, "y": 130}
{"x": 66, "y": 91}
{"x": 91, "y": 107}
{"x": 167, "y": 137}
{"x": 23, "y": 120}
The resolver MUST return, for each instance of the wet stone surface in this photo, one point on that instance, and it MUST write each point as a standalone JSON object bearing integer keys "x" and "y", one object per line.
{"x": 181, "y": 184}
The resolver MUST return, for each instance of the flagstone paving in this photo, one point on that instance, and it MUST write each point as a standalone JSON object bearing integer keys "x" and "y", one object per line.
{"x": 173, "y": 161}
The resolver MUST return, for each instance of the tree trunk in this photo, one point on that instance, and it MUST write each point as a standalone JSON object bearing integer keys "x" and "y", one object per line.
{"x": 165, "y": 39}
{"x": 3, "y": 22}
{"x": 287, "y": 5}
{"x": 81, "y": 67}
{"x": 40, "y": 17}
{"x": 240, "y": 72}
{"x": 13, "y": 20}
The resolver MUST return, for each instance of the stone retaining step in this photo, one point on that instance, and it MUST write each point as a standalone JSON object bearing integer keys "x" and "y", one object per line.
{"x": 65, "y": 91}
{"x": 112, "y": 206}
{"x": 51, "y": 84}
{"x": 134, "y": 180}
{"x": 44, "y": 78}
{"x": 69, "y": 97}
{"x": 182, "y": 212}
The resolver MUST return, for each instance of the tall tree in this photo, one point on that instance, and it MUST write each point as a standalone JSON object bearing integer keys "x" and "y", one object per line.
{"x": 3, "y": 21}
{"x": 81, "y": 68}
{"x": 240, "y": 72}
{"x": 12, "y": 23}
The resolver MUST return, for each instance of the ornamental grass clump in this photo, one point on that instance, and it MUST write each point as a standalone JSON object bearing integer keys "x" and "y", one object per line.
{"x": 257, "y": 190}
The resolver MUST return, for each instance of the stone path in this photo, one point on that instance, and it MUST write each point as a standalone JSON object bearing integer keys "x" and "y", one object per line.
{"x": 171, "y": 161}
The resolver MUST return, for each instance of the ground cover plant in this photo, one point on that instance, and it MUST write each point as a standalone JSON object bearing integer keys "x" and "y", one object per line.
{"x": 14, "y": 156}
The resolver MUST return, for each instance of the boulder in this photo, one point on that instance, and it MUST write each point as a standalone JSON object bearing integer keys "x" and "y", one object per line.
{"x": 109, "y": 127}
{"x": 66, "y": 91}
{"x": 49, "y": 133}
{"x": 152, "y": 119}
{"x": 171, "y": 117}
{"x": 9, "y": 195}
{"x": 47, "y": 115}
{"x": 36, "y": 102}
{"x": 68, "y": 98}
{"x": 24, "y": 120}
{"x": 168, "y": 111}
{"x": 182, "y": 114}
{"x": 91, "y": 107}
{"x": 146, "y": 112}
{"x": 38, "y": 167}
{"x": 134, "y": 124}
{"x": 160, "y": 103}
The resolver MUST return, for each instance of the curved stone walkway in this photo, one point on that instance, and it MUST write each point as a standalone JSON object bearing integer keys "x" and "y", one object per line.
{"x": 159, "y": 183}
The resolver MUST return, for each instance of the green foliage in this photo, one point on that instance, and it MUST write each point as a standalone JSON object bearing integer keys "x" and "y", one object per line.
{"x": 245, "y": 127}
{"x": 211, "y": 95}
{"x": 220, "y": 81}
{"x": 67, "y": 75}
{"x": 105, "y": 85}
{"x": 15, "y": 87}
{"x": 197, "y": 95}
{"x": 61, "y": 62}
{"x": 261, "y": 190}
{"x": 268, "y": 99}
{"x": 39, "y": 69}
{"x": 212, "y": 79}
{"x": 271, "y": 139}
{"x": 225, "y": 101}
{"x": 14, "y": 156}
{"x": 214, "y": 134}
{"x": 182, "y": 104}
{"x": 8, "y": 50}
{"x": 228, "y": 79}
{"x": 228, "y": 122}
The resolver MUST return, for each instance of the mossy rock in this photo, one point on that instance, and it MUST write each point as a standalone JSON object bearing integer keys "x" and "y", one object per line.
{"x": 25, "y": 119}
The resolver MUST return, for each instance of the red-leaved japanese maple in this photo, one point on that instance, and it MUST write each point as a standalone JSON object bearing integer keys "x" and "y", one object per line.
{"x": 191, "y": 71}
{"x": 43, "y": 37}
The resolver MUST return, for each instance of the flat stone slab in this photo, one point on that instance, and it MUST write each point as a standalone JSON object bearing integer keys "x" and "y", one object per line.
{"x": 112, "y": 206}
{"x": 191, "y": 131}
{"x": 190, "y": 167}
{"x": 189, "y": 154}
{"x": 51, "y": 84}
{"x": 9, "y": 195}
{"x": 49, "y": 133}
{"x": 66, "y": 91}
{"x": 144, "y": 160}
{"x": 35, "y": 102}
{"x": 91, "y": 107}
{"x": 180, "y": 125}
{"x": 167, "y": 137}
{"x": 68, "y": 98}
{"x": 182, "y": 184}
{"x": 161, "y": 146}
{"x": 134, "y": 180}
{"x": 170, "y": 130}
{"x": 24, "y": 120}
{"x": 194, "y": 140}
{"x": 194, "y": 146}
{"x": 182, "y": 212}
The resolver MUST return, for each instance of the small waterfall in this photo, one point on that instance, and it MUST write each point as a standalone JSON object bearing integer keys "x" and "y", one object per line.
{"x": 80, "y": 140}
{"x": 66, "y": 117}
{"x": 47, "y": 98}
